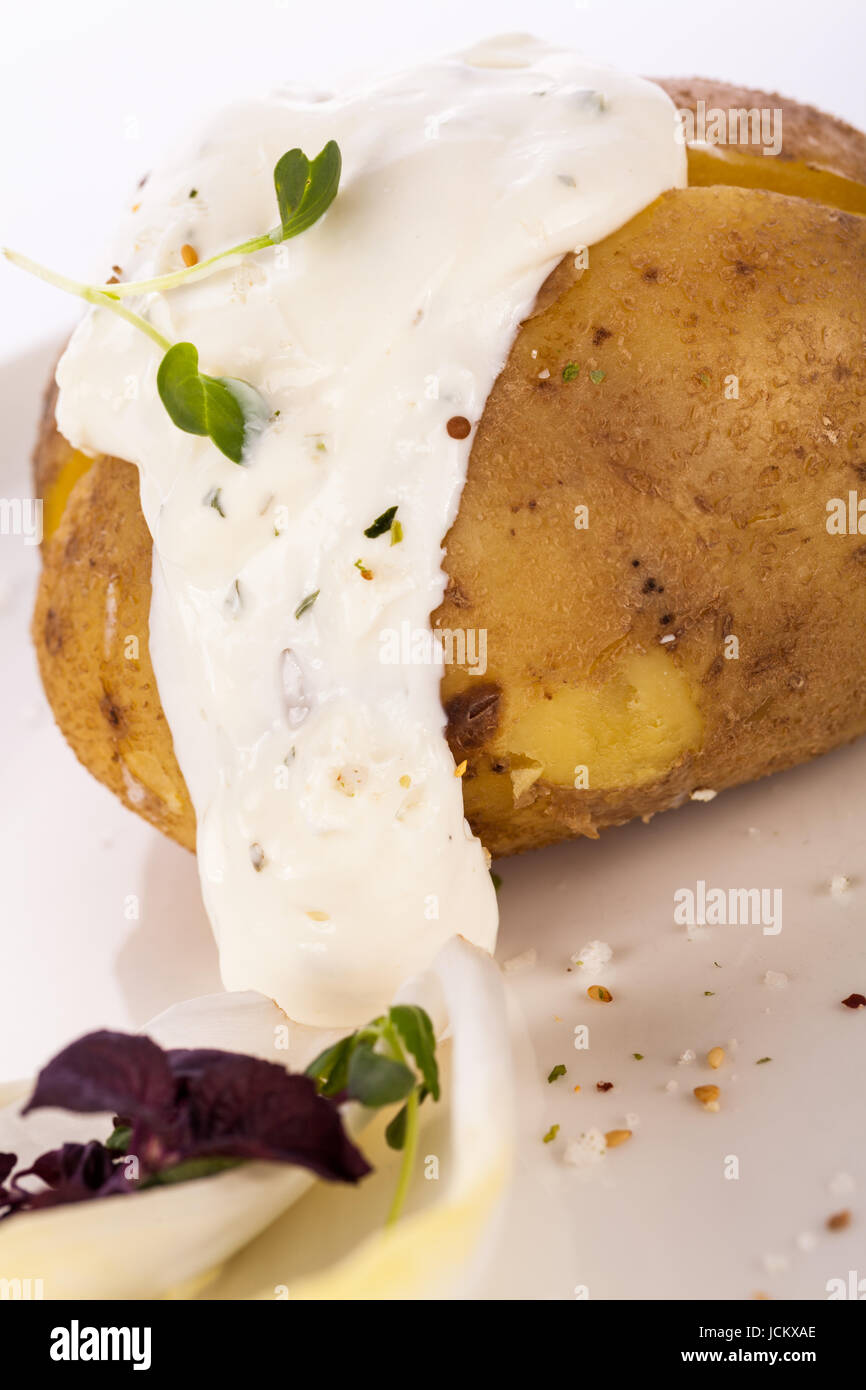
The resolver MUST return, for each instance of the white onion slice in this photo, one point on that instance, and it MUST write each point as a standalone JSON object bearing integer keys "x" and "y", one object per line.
{"x": 168, "y": 1241}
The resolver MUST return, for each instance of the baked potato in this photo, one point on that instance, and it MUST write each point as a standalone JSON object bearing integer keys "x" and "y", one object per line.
{"x": 642, "y": 535}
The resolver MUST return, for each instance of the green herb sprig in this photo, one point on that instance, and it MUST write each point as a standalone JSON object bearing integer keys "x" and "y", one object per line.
{"x": 227, "y": 410}
{"x": 391, "y": 1059}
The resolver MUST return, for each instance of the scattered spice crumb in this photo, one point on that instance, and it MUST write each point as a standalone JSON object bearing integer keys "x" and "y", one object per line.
{"x": 599, "y": 994}
{"x": 638, "y": 1056}
{"x": 458, "y": 427}
{"x": 671, "y": 1086}
{"x": 461, "y": 768}
{"x": 707, "y": 1095}
{"x": 702, "y": 794}
{"x": 709, "y": 993}
{"x": 615, "y": 1137}
{"x": 189, "y": 255}
{"x": 558, "y": 1070}
{"x": 604, "y": 1085}
{"x": 551, "y": 1134}
{"x": 570, "y": 371}
{"x": 855, "y": 1001}
{"x": 686, "y": 1057}
{"x": 716, "y": 1057}
{"x": 761, "y": 1060}
{"x": 838, "y": 1221}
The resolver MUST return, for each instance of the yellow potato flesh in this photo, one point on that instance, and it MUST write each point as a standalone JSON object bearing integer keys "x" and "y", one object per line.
{"x": 627, "y": 731}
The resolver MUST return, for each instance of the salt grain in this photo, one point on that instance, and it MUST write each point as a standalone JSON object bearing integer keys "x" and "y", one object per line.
{"x": 776, "y": 979}
{"x": 593, "y": 957}
{"x": 586, "y": 1151}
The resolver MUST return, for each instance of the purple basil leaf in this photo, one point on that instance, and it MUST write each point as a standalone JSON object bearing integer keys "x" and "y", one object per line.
{"x": 186, "y": 1064}
{"x": 123, "y": 1073}
{"x": 242, "y": 1107}
{"x": 72, "y": 1173}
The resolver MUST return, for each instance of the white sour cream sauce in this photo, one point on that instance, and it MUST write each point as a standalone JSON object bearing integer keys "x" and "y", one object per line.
{"x": 333, "y": 851}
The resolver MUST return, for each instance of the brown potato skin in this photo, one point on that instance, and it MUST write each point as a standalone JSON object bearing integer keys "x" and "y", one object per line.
{"x": 722, "y": 503}
{"x": 821, "y": 158}
{"x": 93, "y": 595}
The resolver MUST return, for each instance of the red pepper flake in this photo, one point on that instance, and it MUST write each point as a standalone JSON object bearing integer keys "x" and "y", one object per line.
{"x": 838, "y": 1221}
{"x": 458, "y": 427}
{"x": 855, "y": 1001}
{"x": 604, "y": 1085}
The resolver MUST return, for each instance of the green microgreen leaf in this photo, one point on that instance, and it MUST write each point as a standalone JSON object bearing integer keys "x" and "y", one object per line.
{"x": 416, "y": 1033}
{"x": 381, "y": 524}
{"x": 376, "y": 1080}
{"x": 395, "y": 1134}
{"x": 188, "y": 1169}
{"x": 330, "y": 1070}
{"x": 222, "y": 408}
{"x": 118, "y": 1139}
{"x": 372, "y": 1066}
{"x": 306, "y": 603}
{"x": 305, "y": 189}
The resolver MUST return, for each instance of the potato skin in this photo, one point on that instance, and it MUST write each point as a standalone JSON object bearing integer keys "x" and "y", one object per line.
{"x": 707, "y": 515}
{"x": 721, "y": 503}
{"x": 93, "y": 597}
{"x": 821, "y": 157}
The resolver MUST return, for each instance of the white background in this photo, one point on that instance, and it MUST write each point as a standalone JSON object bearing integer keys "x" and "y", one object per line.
{"x": 90, "y": 92}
